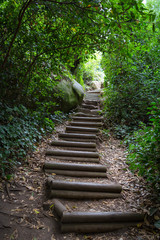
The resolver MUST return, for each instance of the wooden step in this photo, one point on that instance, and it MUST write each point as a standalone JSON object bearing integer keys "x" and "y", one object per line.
{"x": 72, "y": 129}
{"x": 67, "y": 153}
{"x": 71, "y": 173}
{"x": 94, "y": 222}
{"x": 76, "y": 159}
{"x": 75, "y": 166}
{"x": 101, "y": 217}
{"x": 91, "y": 102}
{"x": 76, "y": 146}
{"x": 89, "y": 106}
{"x": 81, "y": 195}
{"x": 80, "y": 136}
{"x": 86, "y": 124}
{"x": 81, "y": 114}
{"x": 87, "y": 119}
{"x": 94, "y": 228}
{"x": 87, "y": 111}
{"x": 83, "y": 186}
{"x": 73, "y": 144}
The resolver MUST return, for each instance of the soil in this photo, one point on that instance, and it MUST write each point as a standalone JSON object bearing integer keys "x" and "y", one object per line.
{"x": 26, "y": 213}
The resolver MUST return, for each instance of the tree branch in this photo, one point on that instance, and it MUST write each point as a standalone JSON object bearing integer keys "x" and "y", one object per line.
{"x": 21, "y": 14}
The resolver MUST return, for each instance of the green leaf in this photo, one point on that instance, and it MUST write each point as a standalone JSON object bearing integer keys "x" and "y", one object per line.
{"x": 157, "y": 224}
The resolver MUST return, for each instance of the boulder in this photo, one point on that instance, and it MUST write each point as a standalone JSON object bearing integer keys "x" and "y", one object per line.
{"x": 78, "y": 89}
{"x": 72, "y": 94}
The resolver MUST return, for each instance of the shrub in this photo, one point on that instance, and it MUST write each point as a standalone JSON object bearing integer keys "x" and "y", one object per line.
{"x": 144, "y": 149}
{"x": 19, "y": 132}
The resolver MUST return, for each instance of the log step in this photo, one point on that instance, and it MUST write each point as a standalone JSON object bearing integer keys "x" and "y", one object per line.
{"x": 73, "y": 144}
{"x": 87, "y": 119}
{"x": 75, "y": 170}
{"x": 74, "y": 166}
{"x": 91, "y": 102}
{"x": 94, "y": 222}
{"x": 82, "y": 114}
{"x": 79, "y": 136}
{"x": 81, "y": 195}
{"x": 86, "y": 124}
{"x": 77, "y": 139}
{"x": 93, "y": 112}
{"x": 101, "y": 217}
{"x": 72, "y": 129}
{"x": 77, "y": 159}
{"x": 79, "y": 148}
{"x": 94, "y": 227}
{"x": 68, "y": 153}
{"x": 83, "y": 186}
{"x": 71, "y": 173}
{"x": 89, "y": 106}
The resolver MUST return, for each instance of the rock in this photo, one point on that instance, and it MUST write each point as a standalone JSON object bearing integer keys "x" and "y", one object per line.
{"x": 72, "y": 94}
{"x": 79, "y": 90}
{"x": 95, "y": 84}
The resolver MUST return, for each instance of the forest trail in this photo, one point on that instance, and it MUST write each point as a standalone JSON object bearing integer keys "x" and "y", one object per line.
{"x": 89, "y": 192}
{"x": 84, "y": 128}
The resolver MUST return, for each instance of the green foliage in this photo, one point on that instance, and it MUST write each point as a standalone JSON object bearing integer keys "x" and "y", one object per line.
{"x": 37, "y": 37}
{"x": 144, "y": 149}
{"x": 90, "y": 69}
{"x": 20, "y": 130}
{"x": 132, "y": 78}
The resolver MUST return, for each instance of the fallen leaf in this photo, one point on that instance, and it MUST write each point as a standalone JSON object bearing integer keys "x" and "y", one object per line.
{"x": 36, "y": 211}
{"x": 31, "y": 198}
{"x": 139, "y": 225}
{"x": 156, "y": 217}
{"x": 52, "y": 237}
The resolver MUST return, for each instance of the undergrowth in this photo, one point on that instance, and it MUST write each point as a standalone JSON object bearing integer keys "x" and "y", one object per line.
{"x": 144, "y": 149}
{"x": 20, "y": 130}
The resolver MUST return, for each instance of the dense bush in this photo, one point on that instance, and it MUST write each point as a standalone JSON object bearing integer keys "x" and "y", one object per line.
{"x": 20, "y": 130}
{"x": 131, "y": 83}
{"x": 144, "y": 149}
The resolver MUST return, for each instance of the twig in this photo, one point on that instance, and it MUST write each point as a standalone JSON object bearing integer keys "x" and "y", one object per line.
{"x": 7, "y": 190}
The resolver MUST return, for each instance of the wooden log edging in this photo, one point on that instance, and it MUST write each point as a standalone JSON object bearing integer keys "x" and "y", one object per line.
{"x": 79, "y": 149}
{"x": 86, "y": 124}
{"x": 77, "y": 173}
{"x": 100, "y": 217}
{"x": 59, "y": 208}
{"x": 69, "y": 153}
{"x": 76, "y": 159}
{"x": 73, "y": 144}
{"x": 89, "y": 106}
{"x": 81, "y": 195}
{"x": 75, "y": 166}
{"x": 94, "y": 227}
{"x": 75, "y": 170}
{"x": 72, "y": 129}
{"x": 94, "y": 222}
{"x": 80, "y": 136}
{"x": 83, "y": 186}
{"x": 91, "y": 102}
{"x": 89, "y": 119}
{"x": 82, "y": 114}
{"x": 93, "y": 112}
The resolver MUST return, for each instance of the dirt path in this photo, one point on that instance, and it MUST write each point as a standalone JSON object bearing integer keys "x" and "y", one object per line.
{"x": 25, "y": 213}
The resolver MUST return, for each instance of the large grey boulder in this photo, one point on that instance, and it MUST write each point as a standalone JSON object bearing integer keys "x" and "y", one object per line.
{"x": 78, "y": 89}
{"x": 72, "y": 94}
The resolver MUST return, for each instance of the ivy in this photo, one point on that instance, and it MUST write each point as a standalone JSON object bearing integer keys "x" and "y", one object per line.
{"x": 20, "y": 130}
